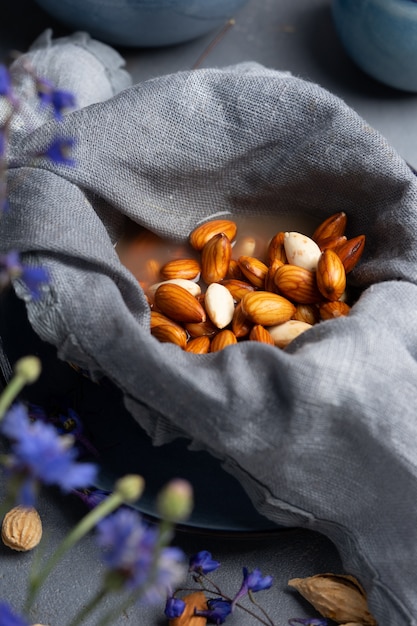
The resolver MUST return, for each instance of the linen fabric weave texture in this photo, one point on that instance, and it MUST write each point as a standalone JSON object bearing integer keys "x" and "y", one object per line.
{"x": 321, "y": 435}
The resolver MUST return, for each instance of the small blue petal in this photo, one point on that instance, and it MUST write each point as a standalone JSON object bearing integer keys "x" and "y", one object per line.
{"x": 59, "y": 152}
{"x": 34, "y": 278}
{"x": 218, "y": 610}
{"x": 9, "y": 618}
{"x": 5, "y": 82}
{"x": 203, "y": 563}
{"x": 174, "y": 608}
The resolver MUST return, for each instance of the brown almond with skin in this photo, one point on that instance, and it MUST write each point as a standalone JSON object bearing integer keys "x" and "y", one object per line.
{"x": 196, "y": 600}
{"x": 241, "y": 326}
{"x": 297, "y": 284}
{"x": 198, "y": 345}
{"x": 203, "y": 233}
{"x": 21, "y": 528}
{"x": 238, "y": 288}
{"x": 188, "y": 269}
{"x": 223, "y": 339}
{"x": 170, "y": 333}
{"x": 308, "y": 313}
{"x": 276, "y": 250}
{"x": 331, "y": 275}
{"x": 270, "y": 275}
{"x": 158, "y": 318}
{"x": 337, "y": 597}
{"x": 266, "y": 308}
{"x": 201, "y": 329}
{"x": 215, "y": 259}
{"x": 260, "y": 333}
{"x": 332, "y": 242}
{"x": 178, "y": 304}
{"x": 254, "y": 270}
{"x": 234, "y": 271}
{"x": 332, "y": 310}
{"x": 351, "y": 251}
{"x": 333, "y": 226}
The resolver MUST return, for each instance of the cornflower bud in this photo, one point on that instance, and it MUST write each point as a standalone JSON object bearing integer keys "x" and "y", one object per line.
{"x": 130, "y": 487}
{"x": 175, "y": 501}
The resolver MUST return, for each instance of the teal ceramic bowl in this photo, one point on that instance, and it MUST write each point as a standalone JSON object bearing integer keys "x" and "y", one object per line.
{"x": 381, "y": 38}
{"x": 143, "y": 23}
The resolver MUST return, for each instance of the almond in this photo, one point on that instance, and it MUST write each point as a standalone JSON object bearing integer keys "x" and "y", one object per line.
{"x": 332, "y": 242}
{"x": 283, "y": 334}
{"x": 333, "y": 226}
{"x": 178, "y": 304}
{"x": 198, "y": 345}
{"x": 338, "y": 597}
{"x": 188, "y": 269}
{"x": 21, "y": 528}
{"x": 203, "y": 233}
{"x": 196, "y": 600}
{"x": 300, "y": 250}
{"x": 245, "y": 246}
{"x": 270, "y": 275}
{"x": 276, "y": 250}
{"x": 260, "y": 333}
{"x": 330, "y": 310}
{"x": 331, "y": 275}
{"x": 215, "y": 258}
{"x": 201, "y": 329}
{"x": 241, "y": 326}
{"x": 254, "y": 270}
{"x": 223, "y": 339}
{"x": 308, "y": 313}
{"x": 189, "y": 285}
{"x": 298, "y": 284}
{"x": 219, "y": 305}
{"x": 238, "y": 288}
{"x": 170, "y": 333}
{"x": 351, "y": 251}
{"x": 158, "y": 318}
{"x": 234, "y": 270}
{"x": 267, "y": 309}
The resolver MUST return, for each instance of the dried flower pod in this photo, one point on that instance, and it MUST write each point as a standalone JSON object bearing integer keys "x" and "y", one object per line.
{"x": 21, "y": 528}
{"x": 196, "y": 600}
{"x": 337, "y": 597}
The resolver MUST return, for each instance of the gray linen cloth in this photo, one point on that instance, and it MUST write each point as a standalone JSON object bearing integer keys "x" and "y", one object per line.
{"x": 322, "y": 435}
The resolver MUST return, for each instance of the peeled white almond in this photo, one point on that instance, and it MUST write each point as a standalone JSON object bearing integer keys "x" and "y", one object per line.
{"x": 219, "y": 305}
{"x": 301, "y": 250}
{"x": 283, "y": 334}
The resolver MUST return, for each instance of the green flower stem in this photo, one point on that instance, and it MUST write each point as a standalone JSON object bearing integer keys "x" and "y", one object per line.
{"x": 26, "y": 371}
{"x": 86, "y": 524}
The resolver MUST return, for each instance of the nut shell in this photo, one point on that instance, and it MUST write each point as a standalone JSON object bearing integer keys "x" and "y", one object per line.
{"x": 21, "y": 529}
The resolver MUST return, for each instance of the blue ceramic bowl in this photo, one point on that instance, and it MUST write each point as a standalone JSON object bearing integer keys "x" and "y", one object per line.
{"x": 381, "y": 37}
{"x": 143, "y": 23}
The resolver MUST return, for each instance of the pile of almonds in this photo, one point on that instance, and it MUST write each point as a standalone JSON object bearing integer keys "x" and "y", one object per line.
{"x": 206, "y": 304}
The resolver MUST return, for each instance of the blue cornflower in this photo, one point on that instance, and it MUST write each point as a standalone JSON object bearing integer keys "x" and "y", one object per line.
{"x": 174, "y": 608}
{"x": 252, "y": 581}
{"x": 9, "y": 618}
{"x": 309, "y": 621}
{"x": 33, "y": 277}
{"x": 59, "y": 151}
{"x": 203, "y": 563}
{"x": 57, "y": 98}
{"x": 130, "y": 551}
{"x": 91, "y": 497}
{"x": 39, "y": 455}
{"x": 217, "y": 612}
{"x": 2, "y": 142}
{"x": 5, "y": 82}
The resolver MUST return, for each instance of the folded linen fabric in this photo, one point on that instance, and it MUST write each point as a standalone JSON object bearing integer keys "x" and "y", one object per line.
{"x": 322, "y": 434}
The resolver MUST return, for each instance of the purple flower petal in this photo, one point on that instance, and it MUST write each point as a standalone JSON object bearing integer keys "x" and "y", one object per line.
{"x": 9, "y": 618}
{"x": 203, "y": 563}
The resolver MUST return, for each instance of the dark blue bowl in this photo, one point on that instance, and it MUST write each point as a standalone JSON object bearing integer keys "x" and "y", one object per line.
{"x": 143, "y": 23}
